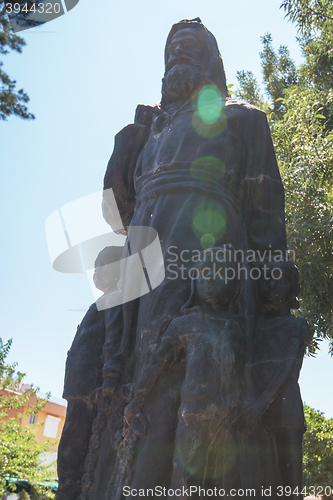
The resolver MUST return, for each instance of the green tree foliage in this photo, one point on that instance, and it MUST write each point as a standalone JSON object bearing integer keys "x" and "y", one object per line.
{"x": 21, "y": 456}
{"x": 279, "y": 72}
{"x": 249, "y": 89}
{"x": 299, "y": 105}
{"x": 23, "y": 495}
{"x": 12, "y": 101}
{"x": 304, "y": 151}
{"x": 314, "y": 20}
{"x": 308, "y": 14}
{"x": 317, "y": 449}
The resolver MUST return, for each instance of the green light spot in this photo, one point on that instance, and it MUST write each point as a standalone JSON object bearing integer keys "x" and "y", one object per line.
{"x": 209, "y": 130}
{"x": 209, "y": 219}
{"x": 207, "y": 169}
{"x": 210, "y": 103}
{"x": 207, "y": 241}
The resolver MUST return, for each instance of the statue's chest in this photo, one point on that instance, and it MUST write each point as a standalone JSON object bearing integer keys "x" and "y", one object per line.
{"x": 177, "y": 145}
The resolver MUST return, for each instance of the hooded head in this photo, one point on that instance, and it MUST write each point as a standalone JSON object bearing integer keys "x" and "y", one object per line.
{"x": 208, "y": 68}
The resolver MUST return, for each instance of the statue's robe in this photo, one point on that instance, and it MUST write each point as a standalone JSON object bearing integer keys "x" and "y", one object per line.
{"x": 156, "y": 183}
{"x": 94, "y": 354}
{"x": 83, "y": 375}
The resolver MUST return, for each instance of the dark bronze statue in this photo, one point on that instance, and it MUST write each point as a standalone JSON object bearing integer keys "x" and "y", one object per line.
{"x": 188, "y": 364}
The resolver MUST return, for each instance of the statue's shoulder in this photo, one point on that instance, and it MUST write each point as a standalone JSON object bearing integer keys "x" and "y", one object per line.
{"x": 140, "y": 129}
{"x": 243, "y": 109}
{"x": 183, "y": 322}
{"x": 178, "y": 323}
{"x": 130, "y": 132}
{"x": 302, "y": 328}
{"x": 92, "y": 317}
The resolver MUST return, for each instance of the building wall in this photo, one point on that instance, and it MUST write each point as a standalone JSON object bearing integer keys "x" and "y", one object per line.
{"x": 53, "y": 415}
{"x": 50, "y": 409}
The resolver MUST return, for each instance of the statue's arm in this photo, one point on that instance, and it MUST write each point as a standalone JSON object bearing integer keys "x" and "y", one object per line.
{"x": 263, "y": 207}
{"x": 287, "y": 370}
{"x": 129, "y": 143}
{"x": 162, "y": 358}
{"x": 113, "y": 359}
{"x": 289, "y": 367}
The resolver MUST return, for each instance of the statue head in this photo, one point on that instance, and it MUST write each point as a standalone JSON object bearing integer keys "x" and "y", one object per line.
{"x": 192, "y": 58}
{"x": 107, "y": 268}
{"x": 216, "y": 280}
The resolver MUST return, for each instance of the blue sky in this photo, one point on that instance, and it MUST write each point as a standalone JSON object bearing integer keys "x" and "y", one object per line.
{"x": 85, "y": 73}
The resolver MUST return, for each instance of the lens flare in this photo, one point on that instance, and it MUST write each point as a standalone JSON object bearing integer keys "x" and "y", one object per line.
{"x": 209, "y": 222}
{"x": 207, "y": 241}
{"x": 209, "y": 119}
{"x": 210, "y": 103}
{"x": 207, "y": 169}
